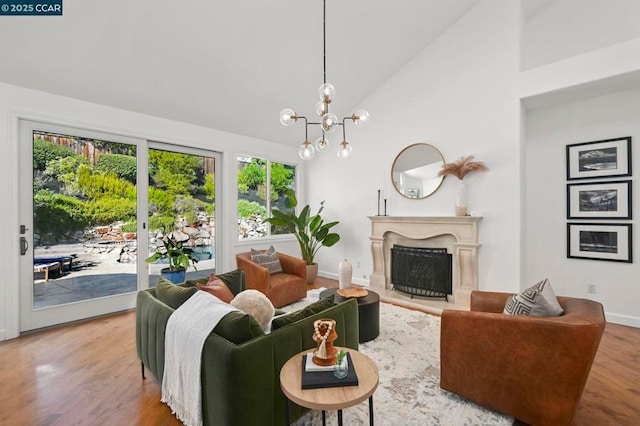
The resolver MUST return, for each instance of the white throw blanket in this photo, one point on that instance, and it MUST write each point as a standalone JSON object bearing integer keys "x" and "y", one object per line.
{"x": 187, "y": 330}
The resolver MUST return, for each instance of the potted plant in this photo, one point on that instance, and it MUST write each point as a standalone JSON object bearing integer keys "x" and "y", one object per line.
{"x": 180, "y": 258}
{"x": 310, "y": 230}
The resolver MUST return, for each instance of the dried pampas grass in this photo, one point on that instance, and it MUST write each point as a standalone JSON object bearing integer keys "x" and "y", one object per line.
{"x": 462, "y": 167}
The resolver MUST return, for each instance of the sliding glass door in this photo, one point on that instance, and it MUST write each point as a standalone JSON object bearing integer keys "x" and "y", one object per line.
{"x": 93, "y": 206}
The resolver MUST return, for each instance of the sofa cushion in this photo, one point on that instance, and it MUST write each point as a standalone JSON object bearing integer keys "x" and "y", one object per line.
{"x": 257, "y": 305}
{"x": 268, "y": 259}
{"x": 307, "y": 311}
{"x": 171, "y": 294}
{"x": 537, "y": 300}
{"x": 238, "y": 327}
{"x": 217, "y": 288}
{"x": 234, "y": 280}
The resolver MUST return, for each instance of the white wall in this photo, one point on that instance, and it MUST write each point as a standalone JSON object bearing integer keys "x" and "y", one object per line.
{"x": 566, "y": 28}
{"x": 548, "y": 131}
{"x": 16, "y": 101}
{"x": 459, "y": 94}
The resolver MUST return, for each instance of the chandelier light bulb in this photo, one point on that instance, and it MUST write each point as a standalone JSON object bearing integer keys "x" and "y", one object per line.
{"x": 344, "y": 151}
{"x": 321, "y": 143}
{"x": 329, "y": 122}
{"x": 360, "y": 117}
{"x": 321, "y": 108}
{"x": 288, "y": 117}
{"x": 327, "y": 92}
{"x": 306, "y": 151}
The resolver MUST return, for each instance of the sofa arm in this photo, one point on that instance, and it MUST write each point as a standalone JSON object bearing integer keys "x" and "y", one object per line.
{"x": 256, "y": 276}
{"x": 151, "y": 322}
{"x": 531, "y": 368}
{"x": 293, "y": 265}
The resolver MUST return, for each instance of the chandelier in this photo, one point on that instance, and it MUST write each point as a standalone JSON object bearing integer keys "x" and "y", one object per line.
{"x": 329, "y": 122}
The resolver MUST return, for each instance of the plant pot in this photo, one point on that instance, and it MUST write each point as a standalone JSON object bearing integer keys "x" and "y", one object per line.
{"x": 177, "y": 276}
{"x": 312, "y": 273}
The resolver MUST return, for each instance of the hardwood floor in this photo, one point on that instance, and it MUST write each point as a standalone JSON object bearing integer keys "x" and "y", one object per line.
{"x": 88, "y": 373}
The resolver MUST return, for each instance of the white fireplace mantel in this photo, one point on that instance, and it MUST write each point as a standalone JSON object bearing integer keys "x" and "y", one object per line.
{"x": 459, "y": 234}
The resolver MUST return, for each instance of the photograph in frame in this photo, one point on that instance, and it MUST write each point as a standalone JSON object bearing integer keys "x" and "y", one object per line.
{"x": 610, "y": 242}
{"x": 605, "y": 158}
{"x": 600, "y": 200}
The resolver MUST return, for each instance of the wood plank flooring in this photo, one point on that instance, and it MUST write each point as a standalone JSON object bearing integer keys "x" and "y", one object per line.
{"x": 88, "y": 373}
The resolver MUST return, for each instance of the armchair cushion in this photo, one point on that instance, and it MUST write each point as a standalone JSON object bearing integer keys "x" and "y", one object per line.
{"x": 538, "y": 301}
{"x": 268, "y": 259}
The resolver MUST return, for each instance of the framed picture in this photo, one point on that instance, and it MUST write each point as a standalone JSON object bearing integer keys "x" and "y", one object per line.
{"x": 602, "y": 200}
{"x": 606, "y": 158}
{"x": 599, "y": 241}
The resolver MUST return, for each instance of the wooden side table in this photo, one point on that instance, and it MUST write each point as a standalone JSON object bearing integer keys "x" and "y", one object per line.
{"x": 335, "y": 398}
{"x": 368, "y": 312}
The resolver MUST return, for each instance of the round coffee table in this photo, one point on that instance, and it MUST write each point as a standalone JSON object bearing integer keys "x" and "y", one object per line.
{"x": 368, "y": 312}
{"x": 333, "y": 398}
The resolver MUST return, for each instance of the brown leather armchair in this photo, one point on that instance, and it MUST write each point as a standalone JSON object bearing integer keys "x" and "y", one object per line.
{"x": 281, "y": 288}
{"x": 531, "y": 368}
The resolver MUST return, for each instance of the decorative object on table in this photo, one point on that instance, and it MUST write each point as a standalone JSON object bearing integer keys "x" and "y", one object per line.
{"x": 310, "y": 230}
{"x": 179, "y": 255}
{"x": 597, "y": 159}
{"x": 460, "y": 169}
{"x": 599, "y": 200}
{"x": 352, "y": 292}
{"x": 600, "y": 241}
{"x": 341, "y": 367}
{"x": 414, "y": 172}
{"x": 326, "y": 378}
{"x": 378, "y": 202}
{"x": 345, "y": 273}
{"x": 329, "y": 122}
{"x": 324, "y": 334}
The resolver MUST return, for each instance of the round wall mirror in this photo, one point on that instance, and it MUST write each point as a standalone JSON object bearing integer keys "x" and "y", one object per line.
{"x": 415, "y": 171}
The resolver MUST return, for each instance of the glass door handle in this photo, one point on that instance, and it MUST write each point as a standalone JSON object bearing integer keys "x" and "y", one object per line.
{"x": 24, "y": 246}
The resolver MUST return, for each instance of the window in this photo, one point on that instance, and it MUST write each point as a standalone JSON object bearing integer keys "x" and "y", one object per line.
{"x": 261, "y": 187}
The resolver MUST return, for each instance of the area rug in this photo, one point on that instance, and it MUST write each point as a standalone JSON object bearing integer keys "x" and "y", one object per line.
{"x": 407, "y": 353}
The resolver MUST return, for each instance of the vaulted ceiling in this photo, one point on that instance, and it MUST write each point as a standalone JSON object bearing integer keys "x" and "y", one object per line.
{"x": 229, "y": 65}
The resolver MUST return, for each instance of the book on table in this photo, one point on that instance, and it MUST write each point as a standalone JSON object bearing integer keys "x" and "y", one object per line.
{"x": 324, "y": 378}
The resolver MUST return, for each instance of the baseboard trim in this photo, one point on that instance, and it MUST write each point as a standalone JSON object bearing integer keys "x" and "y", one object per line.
{"x": 627, "y": 320}
{"x": 3, "y": 335}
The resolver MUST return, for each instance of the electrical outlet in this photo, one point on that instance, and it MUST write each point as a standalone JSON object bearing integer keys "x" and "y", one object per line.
{"x": 591, "y": 288}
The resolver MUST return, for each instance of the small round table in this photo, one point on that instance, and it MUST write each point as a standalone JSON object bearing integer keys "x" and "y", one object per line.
{"x": 368, "y": 313}
{"x": 334, "y": 398}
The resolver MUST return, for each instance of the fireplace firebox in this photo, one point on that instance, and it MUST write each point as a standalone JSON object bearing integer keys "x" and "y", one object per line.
{"x": 421, "y": 271}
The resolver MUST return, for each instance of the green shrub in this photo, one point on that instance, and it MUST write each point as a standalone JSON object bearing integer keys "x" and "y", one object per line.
{"x": 65, "y": 169}
{"x": 160, "y": 202}
{"x": 123, "y": 166}
{"x": 57, "y": 215}
{"x": 44, "y": 152}
{"x": 131, "y": 226}
{"x": 251, "y": 175}
{"x": 165, "y": 224}
{"x": 250, "y": 208}
{"x": 108, "y": 209}
{"x": 99, "y": 185}
{"x": 210, "y": 186}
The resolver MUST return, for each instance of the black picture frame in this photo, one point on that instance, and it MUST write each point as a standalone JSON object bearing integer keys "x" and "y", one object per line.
{"x": 600, "y": 200}
{"x": 600, "y": 241}
{"x": 599, "y": 159}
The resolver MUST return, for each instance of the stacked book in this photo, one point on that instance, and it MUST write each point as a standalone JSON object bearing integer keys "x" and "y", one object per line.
{"x": 317, "y": 376}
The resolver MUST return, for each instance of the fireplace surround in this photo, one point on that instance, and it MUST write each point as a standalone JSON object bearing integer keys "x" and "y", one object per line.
{"x": 459, "y": 234}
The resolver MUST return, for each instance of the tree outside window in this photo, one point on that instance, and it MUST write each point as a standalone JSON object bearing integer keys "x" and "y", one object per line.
{"x": 261, "y": 187}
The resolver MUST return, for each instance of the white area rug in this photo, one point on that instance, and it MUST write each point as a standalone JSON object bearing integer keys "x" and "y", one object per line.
{"x": 407, "y": 354}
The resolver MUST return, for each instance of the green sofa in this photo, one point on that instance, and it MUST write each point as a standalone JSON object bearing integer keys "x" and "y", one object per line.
{"x": 240, "y": 382}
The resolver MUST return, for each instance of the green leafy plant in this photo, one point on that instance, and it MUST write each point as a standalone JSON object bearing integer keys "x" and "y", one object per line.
{"x": 310, "y": 230}
{"x": 340, "y": 356}
{"x": 179, "y": 255}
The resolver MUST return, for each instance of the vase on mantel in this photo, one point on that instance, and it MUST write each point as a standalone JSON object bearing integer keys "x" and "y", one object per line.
{"x": 461, "y": 198}
{"x": 345, "y": 272}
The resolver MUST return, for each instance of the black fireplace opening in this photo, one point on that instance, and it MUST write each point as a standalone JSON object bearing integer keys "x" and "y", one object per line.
{"x": 421, "y": 271}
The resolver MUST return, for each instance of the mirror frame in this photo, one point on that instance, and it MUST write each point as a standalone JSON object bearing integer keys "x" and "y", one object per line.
{"x": 393, "y": 166}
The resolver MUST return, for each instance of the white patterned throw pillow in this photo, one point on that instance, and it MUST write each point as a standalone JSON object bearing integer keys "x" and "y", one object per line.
{"x": 538, "y": 300}
{"x": 268, "y": 259}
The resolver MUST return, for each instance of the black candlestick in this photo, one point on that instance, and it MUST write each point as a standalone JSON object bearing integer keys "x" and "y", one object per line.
{"x": 378, "y": 202}
{"x": 385, "y": 206}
